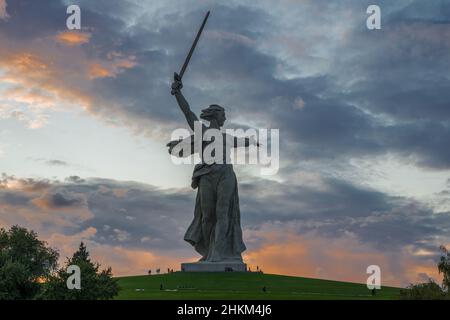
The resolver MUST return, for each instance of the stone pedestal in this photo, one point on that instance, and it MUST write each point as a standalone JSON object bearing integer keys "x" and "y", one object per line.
{"x": 201, "y": 266}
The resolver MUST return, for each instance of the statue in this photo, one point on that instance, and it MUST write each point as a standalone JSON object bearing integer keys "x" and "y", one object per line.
{"x": 215, "y": 231}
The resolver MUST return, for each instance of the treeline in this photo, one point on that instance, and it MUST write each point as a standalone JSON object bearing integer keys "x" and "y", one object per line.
{"x": 29, "y": 270}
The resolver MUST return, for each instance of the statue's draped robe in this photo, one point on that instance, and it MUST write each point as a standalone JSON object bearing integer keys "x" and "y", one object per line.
{"x": 216, "y": 230}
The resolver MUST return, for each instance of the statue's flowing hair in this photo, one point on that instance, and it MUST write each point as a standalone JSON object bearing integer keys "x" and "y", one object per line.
{"x": 212, "y": 112}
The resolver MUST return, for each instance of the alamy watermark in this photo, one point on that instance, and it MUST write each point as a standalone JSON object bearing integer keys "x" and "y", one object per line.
{"x": 73, "y": 22}
{"x": 373, "y": 22}
{"x": 374, "y": 280}
{"x": 74, "y": 280}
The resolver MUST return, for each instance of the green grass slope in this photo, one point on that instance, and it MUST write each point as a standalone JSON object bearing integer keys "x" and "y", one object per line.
{"x": 245, "y": 286}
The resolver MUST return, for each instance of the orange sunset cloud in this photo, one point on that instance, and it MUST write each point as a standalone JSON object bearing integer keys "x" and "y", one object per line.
{"x": 344, "y": 259}
{"x": 124, "y": 261}
{"x": 96, "y": 70}
{"x": 110, "y": 69}
{"x": 42, "y": 77}
{"x": 34, "y": 74}
{"x": 73, "y": 38}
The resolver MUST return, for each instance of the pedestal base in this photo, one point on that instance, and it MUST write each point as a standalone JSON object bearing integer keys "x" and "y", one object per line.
{"x": 234, "y": 266}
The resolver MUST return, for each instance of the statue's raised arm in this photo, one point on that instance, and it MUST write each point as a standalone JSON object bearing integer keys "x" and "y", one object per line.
{"x": 177, "y": 85}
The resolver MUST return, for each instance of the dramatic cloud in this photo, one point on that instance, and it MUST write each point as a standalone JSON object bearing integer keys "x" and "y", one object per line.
{"x": 346, "y": 100}
{"x": 322, "y": 227}
{"x": 350, "y": 109}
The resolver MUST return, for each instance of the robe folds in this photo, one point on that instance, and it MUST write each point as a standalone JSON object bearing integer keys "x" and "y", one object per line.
{"x": 215, "y": 231}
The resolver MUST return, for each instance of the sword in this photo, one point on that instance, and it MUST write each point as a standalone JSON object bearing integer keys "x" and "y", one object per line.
{"x": 188, "y": 58}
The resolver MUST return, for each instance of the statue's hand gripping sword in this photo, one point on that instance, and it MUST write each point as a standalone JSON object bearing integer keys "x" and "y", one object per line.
{"x": 179, "y": 76}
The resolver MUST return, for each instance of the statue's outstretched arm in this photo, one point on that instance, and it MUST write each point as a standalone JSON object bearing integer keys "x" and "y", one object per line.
{"x": 184, "y": 105}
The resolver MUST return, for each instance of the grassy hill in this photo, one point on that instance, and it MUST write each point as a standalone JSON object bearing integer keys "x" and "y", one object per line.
{"x": 229, "y": 285}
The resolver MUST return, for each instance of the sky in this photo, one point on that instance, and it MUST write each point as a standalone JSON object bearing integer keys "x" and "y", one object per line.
{"x": 364, "y": 120}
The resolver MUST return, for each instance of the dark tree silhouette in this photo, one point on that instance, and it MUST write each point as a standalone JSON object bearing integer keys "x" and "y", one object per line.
{"x": 95, "y": 284}
{"x": 25, "y": 262}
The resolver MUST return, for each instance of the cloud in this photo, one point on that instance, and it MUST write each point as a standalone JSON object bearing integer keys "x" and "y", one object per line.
{"x": 35, "y": 88}
{"x": 348, "y": 108}
{"x": 73, "y": 38}
{"x": 332, "y": 230}
{"x": 40, "y": 204}
{"x": 74, "y": 179}
{"x": 343, "y": 258}
{"x": 112, "y": 68}
{"x": 55, "y": 162}
{"x": 336, "y": 91}
{"x": 55, "y": 201}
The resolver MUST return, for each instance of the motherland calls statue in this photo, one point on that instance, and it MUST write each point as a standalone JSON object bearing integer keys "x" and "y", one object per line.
{"x": 215, "y": 231}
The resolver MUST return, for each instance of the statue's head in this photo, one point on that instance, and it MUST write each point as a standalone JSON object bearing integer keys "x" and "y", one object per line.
{"x": 214, "y": 111}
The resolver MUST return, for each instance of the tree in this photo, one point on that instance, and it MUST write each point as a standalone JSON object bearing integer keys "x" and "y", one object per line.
{"x": 423, "y": 291}
{"x": 431, "y": 290}
{"x": 444, "y": 267}
{"x": 25, "y": 262}
{"x": 95, "y": 284}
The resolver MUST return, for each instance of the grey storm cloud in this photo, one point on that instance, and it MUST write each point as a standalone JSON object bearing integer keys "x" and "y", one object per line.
{"x": 137, "y": 215}
{"x": 374, "y": 217}
{"x": 14, "y": 199}
{"x": 384, "y": 91}
{"x": 59, "y": 200}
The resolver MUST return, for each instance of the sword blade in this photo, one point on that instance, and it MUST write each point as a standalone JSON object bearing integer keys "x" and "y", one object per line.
{"x": 188, "y": 58}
